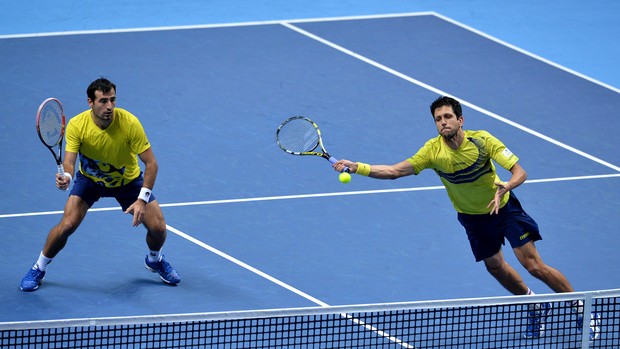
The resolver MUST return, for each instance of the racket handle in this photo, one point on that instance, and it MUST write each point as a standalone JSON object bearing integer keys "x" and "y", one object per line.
{"x": 63, "y": 174}
{"x": 333, "y": 160}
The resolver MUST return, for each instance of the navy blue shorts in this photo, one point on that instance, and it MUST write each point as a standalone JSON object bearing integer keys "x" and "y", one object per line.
{"x": 91, "y": 192}
{"x": 486, "y": 233}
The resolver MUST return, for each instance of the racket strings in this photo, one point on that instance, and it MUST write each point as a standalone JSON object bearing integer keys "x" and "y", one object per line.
{"x": 298, "y": 136}
{"x": 50, "y": 124}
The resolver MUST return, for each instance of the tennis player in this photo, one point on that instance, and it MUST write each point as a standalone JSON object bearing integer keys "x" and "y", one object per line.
{"x": 108, "y": 142}
{"x": 487, "y": 208}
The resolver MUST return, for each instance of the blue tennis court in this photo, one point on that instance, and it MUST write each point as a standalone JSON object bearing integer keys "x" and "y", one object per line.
{"x": 250, "y": 227}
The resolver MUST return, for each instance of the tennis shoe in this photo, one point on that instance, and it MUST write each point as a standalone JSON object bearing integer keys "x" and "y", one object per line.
{"x": 595, "y": 325}
{"x": 164, "y": 269}
{"x": 33, "y": 279}
{"x": 536, "y": 318}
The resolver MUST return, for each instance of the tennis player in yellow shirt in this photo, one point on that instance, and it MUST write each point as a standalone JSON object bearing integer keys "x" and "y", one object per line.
{"x": 487, "y": 208}
{"x": 108, "y": 142}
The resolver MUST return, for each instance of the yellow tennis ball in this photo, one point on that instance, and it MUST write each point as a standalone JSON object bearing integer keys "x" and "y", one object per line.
{"x": 344, "y": 177}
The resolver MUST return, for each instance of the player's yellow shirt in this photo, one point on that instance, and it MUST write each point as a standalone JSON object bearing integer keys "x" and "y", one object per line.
{"x": 468, "y": 172}
{"x": 108, "y": 157}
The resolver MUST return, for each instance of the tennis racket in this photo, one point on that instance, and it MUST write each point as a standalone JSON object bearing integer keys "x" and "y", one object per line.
{"x": 51, "y": 128}
{"x": 299, "y": 135}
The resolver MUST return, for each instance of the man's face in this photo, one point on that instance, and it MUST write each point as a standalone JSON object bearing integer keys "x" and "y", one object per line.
{"x": 448, "y": 124}
{"x": 103, "y": 105}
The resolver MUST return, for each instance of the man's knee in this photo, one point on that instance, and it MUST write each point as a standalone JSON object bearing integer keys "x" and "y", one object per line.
{"x": 66, "y": 227}
{"x": 536, "y": 269}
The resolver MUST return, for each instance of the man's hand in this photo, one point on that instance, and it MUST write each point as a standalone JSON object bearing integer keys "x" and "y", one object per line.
{"x": 499, "y": 193}
{"x": 340, "y": 165}
{"x": 138, "y": 209}
{"x": 62, "y": 182}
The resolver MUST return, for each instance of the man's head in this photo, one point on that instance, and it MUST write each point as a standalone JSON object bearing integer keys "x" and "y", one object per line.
{"x": 102, "y": 101}
{"x": 447, "y": 101}
{"x": 102, "y": 84}
{"x": 448, "y": 116}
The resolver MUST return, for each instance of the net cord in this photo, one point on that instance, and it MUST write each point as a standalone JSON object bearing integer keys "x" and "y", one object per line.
{"x": 587, "y": 297}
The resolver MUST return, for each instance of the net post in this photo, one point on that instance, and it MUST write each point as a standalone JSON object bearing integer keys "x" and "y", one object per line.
{"x": 585, "y": 326}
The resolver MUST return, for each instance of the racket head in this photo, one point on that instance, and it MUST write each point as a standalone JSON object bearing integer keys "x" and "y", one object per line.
{"x": 50, "y": 122}
{"x": 298, "y": 135}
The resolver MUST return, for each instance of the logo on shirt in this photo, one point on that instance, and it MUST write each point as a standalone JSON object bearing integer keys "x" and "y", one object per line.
{"x": 507, "y": 153}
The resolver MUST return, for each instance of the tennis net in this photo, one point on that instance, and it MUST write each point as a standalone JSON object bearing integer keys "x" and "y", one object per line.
{"x": 498, "y": 322}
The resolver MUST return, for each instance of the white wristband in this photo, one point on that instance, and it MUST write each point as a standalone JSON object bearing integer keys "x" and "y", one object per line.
{"x": 145, "y": 194}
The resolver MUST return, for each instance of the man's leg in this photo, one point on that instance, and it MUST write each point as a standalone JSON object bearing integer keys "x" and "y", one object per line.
{"x": 533, "y": 263}
{"x": 74, "y": 213}
{"x": 155, "y": 239}
{"x": 506, "y": 275}
{"x": 512, "y": 281}
{"x": 155, "y": 226}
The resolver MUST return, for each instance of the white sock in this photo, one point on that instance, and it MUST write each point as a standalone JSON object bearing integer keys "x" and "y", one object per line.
{"x": 43, "y": 261}
{"x": 154, "y": 256}
{"x": 532, "y": 307}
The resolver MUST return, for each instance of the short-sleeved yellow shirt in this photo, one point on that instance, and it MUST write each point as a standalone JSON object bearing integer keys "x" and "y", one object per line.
{"x": 108, "y": 157}
{"x": 467, "y": 172}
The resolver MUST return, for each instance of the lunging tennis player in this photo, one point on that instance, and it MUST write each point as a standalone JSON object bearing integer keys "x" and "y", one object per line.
{"x": 487, "y": 208}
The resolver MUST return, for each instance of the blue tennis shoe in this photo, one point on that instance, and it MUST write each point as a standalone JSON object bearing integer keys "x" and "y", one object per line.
{"x": 595, "y": 325}
{"x": 164, "y": 269}
{"x": 33, "y": 279}
{"x": 536, "y": 318}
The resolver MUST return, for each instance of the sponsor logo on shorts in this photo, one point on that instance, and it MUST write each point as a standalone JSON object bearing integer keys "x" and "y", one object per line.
{"x": 524, "y": 236}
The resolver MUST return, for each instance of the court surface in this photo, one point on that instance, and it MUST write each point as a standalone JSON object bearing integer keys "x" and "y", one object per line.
{"x": 251, "y": 227}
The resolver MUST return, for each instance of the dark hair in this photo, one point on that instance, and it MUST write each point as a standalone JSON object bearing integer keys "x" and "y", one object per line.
{"x": 447, "y": 101}
{"x": 102, "y": 84}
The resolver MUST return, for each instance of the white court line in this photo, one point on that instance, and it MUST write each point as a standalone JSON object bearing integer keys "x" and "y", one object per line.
{"x": 308, "y": 20}
{"x": 527, "y": 53}
{"x": 441, "y": 92}
{"x": 210, "y": 26}
{"x": 307, "y": 196}
{"x": 285, "y": 285}
{"x": 246, "y": 266}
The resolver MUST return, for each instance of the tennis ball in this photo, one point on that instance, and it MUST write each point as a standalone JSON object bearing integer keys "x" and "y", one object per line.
{"x": 344, "y": 177}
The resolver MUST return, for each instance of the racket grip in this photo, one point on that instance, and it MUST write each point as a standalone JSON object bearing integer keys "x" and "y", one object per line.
{"x": 333, "y": 160}
{"x": 63, "y": 174}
